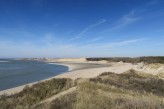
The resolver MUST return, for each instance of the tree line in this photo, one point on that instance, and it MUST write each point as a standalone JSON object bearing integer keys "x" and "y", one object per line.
{"x": 146, "y": 59}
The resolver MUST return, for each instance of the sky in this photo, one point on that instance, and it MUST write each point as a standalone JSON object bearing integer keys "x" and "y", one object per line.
{"x": 81, "y": 28}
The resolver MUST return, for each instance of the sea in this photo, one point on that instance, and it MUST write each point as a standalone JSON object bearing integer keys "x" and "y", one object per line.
{"x": 14, "y": 73}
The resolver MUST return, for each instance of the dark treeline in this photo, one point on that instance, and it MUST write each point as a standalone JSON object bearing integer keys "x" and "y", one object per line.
{"x": 146, "y": 59}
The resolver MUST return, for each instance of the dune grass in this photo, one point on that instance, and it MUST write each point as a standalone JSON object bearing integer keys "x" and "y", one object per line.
{"x": 130, "y": 90}
{"x": 99, "y": 96}
{"x": 32, "y": 95}
{"x": 133, "y": 81}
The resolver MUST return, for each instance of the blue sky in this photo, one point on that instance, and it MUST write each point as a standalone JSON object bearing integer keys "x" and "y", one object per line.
{"x": 81, "y": 28}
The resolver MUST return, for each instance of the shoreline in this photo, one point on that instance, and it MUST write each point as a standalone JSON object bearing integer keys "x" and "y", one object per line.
{"x": 71, "y": 68}
{"x": 89, "y": 70}
{"x": 17, "y": 89}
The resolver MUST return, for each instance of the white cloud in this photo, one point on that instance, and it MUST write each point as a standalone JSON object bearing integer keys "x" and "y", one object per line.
{"x": 112, "y": 44}
{"x": 87, "y": 29}
{"x": 96, "y": 39}
{"x": 132, "y": 17}
{"x": 153, "y": 2}
{"x": 124, "y": 21}
{"x": 121, "y": 43}
{"x": 74, "y": 38}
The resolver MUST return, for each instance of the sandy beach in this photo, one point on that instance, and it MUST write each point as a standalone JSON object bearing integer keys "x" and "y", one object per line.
{"x": 73, "y": 66}
{"x": 86, "y": 70}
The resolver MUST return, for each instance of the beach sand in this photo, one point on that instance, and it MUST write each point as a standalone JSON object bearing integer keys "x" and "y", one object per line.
{"x": 85, "y": 70}
{"x": 73, "y": 66}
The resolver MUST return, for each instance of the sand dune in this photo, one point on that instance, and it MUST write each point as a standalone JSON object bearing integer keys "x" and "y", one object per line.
{"x": 93, "y": 69}
{"x": 68, "y": 60}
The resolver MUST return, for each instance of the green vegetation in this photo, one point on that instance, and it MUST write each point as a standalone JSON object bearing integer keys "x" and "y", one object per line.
{"x": 32, "y": 95}
{"x": 130, "y": 90}
{"x": 149, "y": 59}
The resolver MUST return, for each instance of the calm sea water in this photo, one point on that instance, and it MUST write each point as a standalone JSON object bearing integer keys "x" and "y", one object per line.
{"x": 19, "y": 72}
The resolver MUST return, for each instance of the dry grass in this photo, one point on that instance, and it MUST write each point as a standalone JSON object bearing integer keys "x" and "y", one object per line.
{"x": 99, "y": 96}
{"x": 32, "y": 95}
{"x": 130, "y": 90}
{"x": 64, "y": 102}
{"x": 155, "y": 65}
{"x": 161, "y": 75}
{"x": 133, "y": 81}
